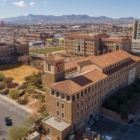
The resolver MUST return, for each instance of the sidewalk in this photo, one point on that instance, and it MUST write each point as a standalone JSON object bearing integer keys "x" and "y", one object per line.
{"x": 16, "y": 104}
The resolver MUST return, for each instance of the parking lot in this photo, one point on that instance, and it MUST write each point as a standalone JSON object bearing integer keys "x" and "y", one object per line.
{"x": 117, "y": 131}
{"x": 17, "y": 115}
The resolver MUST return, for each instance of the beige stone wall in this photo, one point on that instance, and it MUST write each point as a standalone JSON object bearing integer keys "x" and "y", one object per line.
{"x": 110, "y": 113}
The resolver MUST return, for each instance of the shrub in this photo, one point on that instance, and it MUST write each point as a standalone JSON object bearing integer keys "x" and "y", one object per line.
{"x": 14, "y": 94}
{"x": 44, "y": 113}
{"x": 7, "y": 80}
{"x": 1, "y": 76}
{"x": 23, "y": 86}
{"x": 2, "y": 85}
{"x": 23, "y": 101}
{"x": 30, "y": 89}
{"x": 12, "y": 85}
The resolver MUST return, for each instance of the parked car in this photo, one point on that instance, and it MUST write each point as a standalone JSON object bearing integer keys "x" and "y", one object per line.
{"x": 106, "y": 137}
{"x": 8, "y": 121}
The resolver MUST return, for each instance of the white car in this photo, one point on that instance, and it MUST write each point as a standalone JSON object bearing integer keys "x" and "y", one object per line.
{"x": 106, "y": 137}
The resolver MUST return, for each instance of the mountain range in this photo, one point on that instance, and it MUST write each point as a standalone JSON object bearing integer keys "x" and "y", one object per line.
{"x": 66, "y": 19}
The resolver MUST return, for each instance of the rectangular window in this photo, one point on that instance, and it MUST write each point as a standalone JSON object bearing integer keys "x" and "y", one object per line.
{"x": 89, "y": 89}
{"x": 92, "y": 87}
{"x": 81, "y": 102}
{"x": 85, "y": 91}
{"x": 62, "y": 105}
{"x": 52, "y": 92}
{"x": 57, "y": 94}
{"x": 73, "y": 98}
{"x": 78, "y": 96}
{"x": 57, "y": 112}
{"x": 62, "y": 96}
{"x": 62, "y": 115}
{"x": 81, "y": 93}
{"x": 57, "y": 103}
{"x": 68, "y": 98}
{"x": 49, "y": 67}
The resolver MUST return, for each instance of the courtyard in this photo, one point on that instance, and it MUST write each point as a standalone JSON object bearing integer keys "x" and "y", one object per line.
{"x": 18, "y": 72}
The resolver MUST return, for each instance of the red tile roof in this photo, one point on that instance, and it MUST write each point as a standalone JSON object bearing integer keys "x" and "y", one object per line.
{"x": 78, "y": 83}
{"x": 115, "y": 40}
{"x": 81, "y": 36}
{"x": 53, "y": 58}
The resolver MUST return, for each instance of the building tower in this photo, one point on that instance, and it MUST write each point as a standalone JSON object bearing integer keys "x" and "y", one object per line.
{"x": 136, "y": 30}
{"x": 53, "y": 72}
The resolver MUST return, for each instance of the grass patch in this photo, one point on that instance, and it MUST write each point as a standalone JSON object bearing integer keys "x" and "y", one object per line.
{"x": 47, "y": 50}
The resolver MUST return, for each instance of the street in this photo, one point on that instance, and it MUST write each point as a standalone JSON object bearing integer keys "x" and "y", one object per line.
{"x": 17, "y": 114}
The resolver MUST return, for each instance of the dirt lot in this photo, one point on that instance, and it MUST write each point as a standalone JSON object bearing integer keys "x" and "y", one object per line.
{"x": 18, "y": 72}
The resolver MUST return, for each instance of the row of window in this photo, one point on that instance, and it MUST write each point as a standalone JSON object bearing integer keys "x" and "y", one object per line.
{"x": 85, "y": 101}
{"x": 60, "y": 105}
{"x": 116, "y": 64}
{"x": 86, "y": 108}
{"x": 60, "y": 95}
{"x": 62, "y": 114}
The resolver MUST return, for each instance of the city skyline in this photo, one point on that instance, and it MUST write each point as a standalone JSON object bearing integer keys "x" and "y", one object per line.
{"x": 108, "y": 8}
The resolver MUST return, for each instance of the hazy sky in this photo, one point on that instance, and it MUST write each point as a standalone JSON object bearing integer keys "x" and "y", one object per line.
{"x": 109, "y": 8}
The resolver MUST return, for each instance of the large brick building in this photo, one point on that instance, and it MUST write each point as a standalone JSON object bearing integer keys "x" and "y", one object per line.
{"x": 72, "y": 101}
{"x": 85, "y": 45}
{"x": 11, "y": 49}
{"x": 39, "y": 36}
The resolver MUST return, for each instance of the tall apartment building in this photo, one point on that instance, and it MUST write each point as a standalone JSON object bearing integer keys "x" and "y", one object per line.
{"x": 136, "y": 30}
{"x": 8, "y": 51}
{"x": 73, "y": 101}
{"x": 85, "y": 45}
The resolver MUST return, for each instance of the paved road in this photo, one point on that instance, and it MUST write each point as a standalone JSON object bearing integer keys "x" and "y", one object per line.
{"x": 17, "y": 115}
{"x": 10, "y": 101}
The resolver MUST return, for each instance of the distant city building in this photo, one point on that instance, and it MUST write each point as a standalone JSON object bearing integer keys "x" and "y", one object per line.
{"x": 74, "y": 101}
{"x": 39, "y": 36}
{"x": 136, "y": 30}
{"x": 2, "y": 24}
{"x": 9, "y": 52}
{"x": 85, "y": 45}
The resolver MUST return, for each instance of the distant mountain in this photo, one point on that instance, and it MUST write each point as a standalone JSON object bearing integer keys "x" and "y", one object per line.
{"x": 67, "y": 19}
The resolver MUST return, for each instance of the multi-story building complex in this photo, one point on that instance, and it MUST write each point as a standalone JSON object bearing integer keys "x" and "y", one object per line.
{"x": 39, "y": 36}
{"x": 111, "y": 44}
{"x": 73, "y": 101}
{"x": 85, "y": 45}
{"x": 9, "y": 51}
{"x": 81, "y": 45}
{"x": 136, "y": 30}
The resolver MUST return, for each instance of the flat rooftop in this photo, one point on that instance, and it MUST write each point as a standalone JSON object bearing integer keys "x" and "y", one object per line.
{"x": 52, "y": 121}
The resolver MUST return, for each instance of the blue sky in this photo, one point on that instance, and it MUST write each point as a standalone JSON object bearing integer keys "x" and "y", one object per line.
{"x": 109, "y": 8}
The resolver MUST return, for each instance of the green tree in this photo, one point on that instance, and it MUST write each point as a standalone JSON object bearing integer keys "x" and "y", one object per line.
{"x": 14, "y": 94}
{"x": 30, "y": 120}
{"x": 2, "y": 85}
{"x": 17, "y": 132}
{"x": 1, "y": 76}
{"x": 44, "y": 113}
